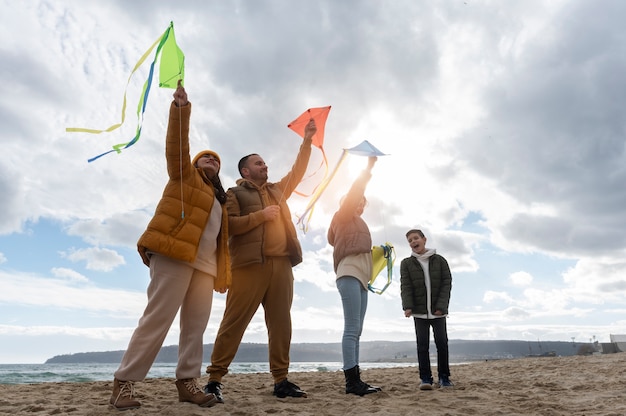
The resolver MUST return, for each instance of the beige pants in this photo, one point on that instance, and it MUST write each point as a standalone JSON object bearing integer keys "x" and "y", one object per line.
{"x": 173, "y": 285}
{"x": 269, "y": 284}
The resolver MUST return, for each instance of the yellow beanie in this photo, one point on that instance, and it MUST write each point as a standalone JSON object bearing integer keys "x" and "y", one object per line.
{"x": 206, "y": 152}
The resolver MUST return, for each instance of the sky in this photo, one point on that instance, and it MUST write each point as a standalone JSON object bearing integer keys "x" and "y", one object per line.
{"x": 502, "y": 123}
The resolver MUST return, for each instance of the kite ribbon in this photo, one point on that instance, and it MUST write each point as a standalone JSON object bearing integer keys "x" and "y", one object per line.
{"x": 364, "y": 148}
{"x": 170, "y": 71}
{"x": 305, "y": 218}
{"x": 382, "y": 256}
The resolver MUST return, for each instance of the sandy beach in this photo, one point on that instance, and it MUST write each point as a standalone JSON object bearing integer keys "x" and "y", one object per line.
{"x": 577, "y": 385}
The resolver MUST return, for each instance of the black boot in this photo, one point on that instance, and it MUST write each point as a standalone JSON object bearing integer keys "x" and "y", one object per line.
{"x": 373, "y": 387}
{"x": 354, "y": 384}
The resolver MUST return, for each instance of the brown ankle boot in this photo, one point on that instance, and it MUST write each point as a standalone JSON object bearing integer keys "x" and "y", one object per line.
{"x": 123, "y": 395}
{"x": 189, "y": 391}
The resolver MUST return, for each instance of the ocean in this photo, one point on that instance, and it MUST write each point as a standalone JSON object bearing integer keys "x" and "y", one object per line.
{"x": 78, "y": 373}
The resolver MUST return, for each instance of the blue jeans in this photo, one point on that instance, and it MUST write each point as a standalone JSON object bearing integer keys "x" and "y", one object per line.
{"x": 422, "y": 331}
{"x": 354, "y": 301}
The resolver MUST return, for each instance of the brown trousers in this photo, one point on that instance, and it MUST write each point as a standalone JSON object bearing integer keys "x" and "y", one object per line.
{"x": 173, "y": 285}
{"x": 269, "y": 284}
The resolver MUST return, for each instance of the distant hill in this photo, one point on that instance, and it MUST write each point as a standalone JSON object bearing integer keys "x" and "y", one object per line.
{"x": 372, "y": 351}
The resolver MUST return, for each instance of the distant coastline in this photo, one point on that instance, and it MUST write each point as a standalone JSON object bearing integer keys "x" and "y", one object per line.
{"x": 371, "y": 351}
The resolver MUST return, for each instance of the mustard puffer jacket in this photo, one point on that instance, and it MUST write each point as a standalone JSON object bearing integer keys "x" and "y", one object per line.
{"x": 178, "y": 223}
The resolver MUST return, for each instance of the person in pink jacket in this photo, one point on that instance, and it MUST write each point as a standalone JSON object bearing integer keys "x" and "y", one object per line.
{"x": 352, "y": 259}
{"x": 186, "y": 248}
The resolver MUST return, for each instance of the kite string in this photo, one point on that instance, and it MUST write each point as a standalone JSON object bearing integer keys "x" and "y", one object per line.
{"x": 282, "y": 192}
{"x": 180, "y": 161}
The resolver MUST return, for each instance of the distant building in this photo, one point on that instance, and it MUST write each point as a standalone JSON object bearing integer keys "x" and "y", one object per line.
{"x": 619, "y": 340}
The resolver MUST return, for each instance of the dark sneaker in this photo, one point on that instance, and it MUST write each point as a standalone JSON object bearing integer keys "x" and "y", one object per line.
{"x": 287, "y": 389}
{"x": 426, "y": 384}
{"x": 444, "y": 382}
{"x": 215, "y": 388}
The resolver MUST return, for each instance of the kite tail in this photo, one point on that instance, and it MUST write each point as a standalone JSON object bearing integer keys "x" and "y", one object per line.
{"x": 324, "y": 162}
{"x": 137, "y": 65}
{"x": 141, "y": 107}
{"x": 305, "y": 218}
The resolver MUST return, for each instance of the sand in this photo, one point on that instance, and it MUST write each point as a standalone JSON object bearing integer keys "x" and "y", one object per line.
{"x": 577, "y": 385}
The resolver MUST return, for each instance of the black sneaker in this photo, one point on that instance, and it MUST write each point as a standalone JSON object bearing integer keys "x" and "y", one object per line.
{"x": 215, "y": 388}
{"x": 287, "y": 389}
{"x": 426, "y": 384}
{"x": 444, "y": 382}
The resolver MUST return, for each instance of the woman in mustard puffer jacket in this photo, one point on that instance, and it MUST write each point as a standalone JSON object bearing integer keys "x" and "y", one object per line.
{"x": 186, "y": 248}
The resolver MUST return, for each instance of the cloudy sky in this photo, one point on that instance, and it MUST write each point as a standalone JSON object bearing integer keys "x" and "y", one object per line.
{"x": 503, "y": 124}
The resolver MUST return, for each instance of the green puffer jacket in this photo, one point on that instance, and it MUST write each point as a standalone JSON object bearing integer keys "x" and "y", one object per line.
{"x": 413, "y": 284}
{"x": 169, "y": 232}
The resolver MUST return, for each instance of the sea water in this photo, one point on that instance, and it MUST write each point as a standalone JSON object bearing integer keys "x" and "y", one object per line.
{"x": 76, "y": 373}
